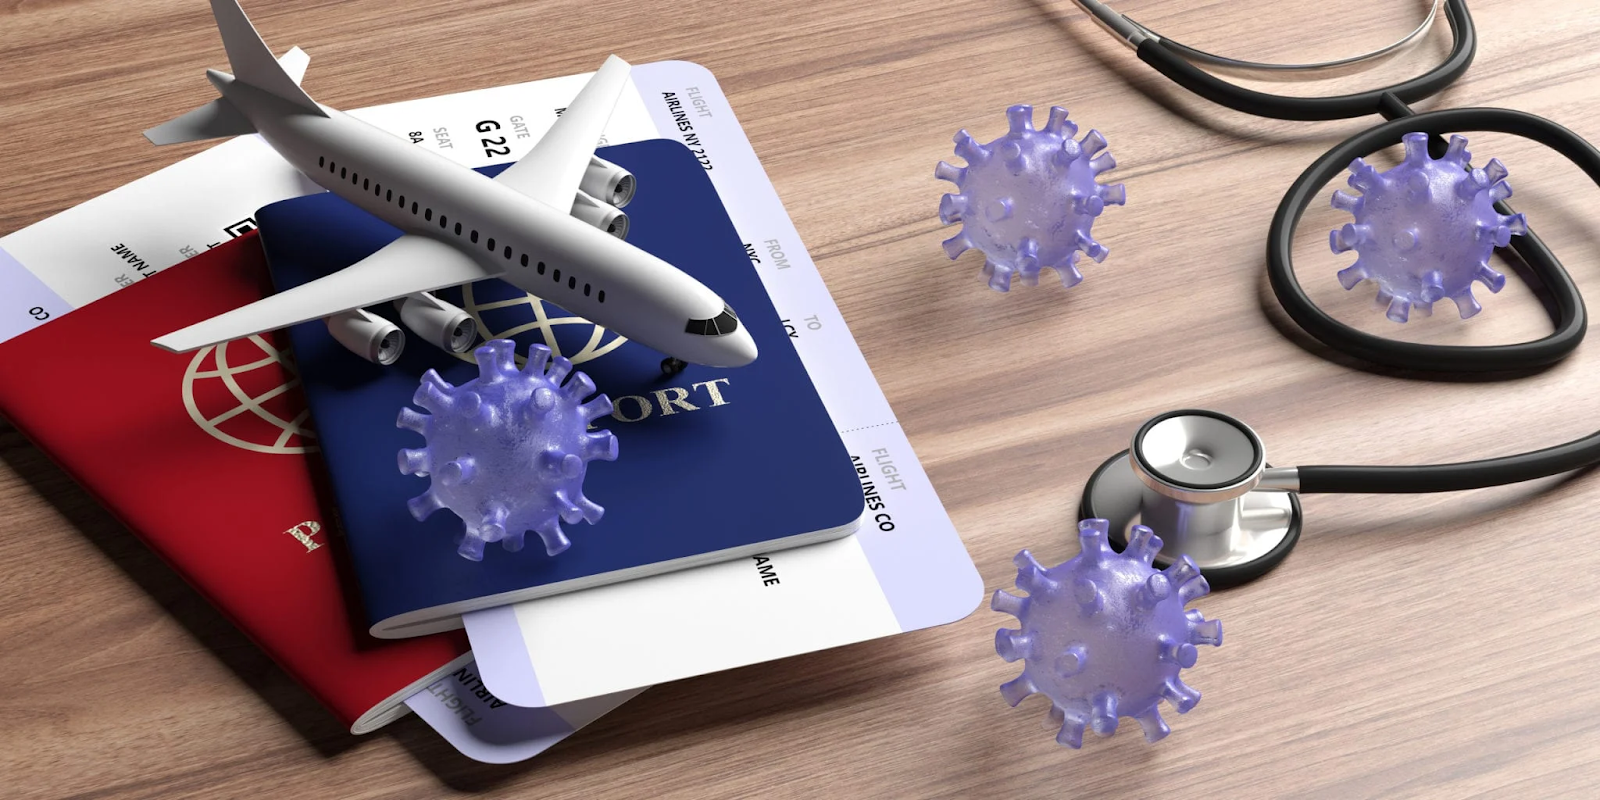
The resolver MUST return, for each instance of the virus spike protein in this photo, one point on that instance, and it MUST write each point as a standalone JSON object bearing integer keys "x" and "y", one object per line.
{"x": 1105, "y": 634}
{"x": 1028, "y": 199}
{"x": 507, "y": 451}
{"x": 1425, "y": 229}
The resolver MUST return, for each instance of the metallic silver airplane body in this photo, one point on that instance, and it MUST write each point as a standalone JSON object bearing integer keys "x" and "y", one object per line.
{"x": 523, "y": 226}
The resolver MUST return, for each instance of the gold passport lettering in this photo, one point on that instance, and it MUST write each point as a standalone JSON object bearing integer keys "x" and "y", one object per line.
{"x": 303, "y": 532}
{"x": 671, "y": 400}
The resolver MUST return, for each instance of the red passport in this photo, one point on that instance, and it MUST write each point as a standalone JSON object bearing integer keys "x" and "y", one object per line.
{"x": 208, "y": 458}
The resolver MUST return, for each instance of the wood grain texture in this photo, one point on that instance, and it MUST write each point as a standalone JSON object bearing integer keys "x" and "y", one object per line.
{"x": 1437, "y": 646}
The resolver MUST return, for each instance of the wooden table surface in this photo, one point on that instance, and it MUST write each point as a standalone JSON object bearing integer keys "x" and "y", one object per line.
{"x": 1439, "y": 645}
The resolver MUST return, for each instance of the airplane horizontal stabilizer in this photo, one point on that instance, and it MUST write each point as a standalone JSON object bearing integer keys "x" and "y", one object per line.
{"x": 294, "y": 64}
{"x": 213, "y": 120}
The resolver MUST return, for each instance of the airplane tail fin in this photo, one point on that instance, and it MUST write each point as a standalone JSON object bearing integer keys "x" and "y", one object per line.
{"x": 252, "y": 64}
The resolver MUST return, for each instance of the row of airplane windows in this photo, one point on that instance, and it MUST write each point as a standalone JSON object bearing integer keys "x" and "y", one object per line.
{"x": 444, "y": 223}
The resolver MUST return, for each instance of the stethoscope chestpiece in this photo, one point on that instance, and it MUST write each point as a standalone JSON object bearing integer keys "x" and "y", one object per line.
{"x": 1201, "y": 481}
{"x": 1197, "y": 456}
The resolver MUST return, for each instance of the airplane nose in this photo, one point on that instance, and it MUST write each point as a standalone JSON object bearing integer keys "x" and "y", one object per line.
{"x": 741, "y": 347}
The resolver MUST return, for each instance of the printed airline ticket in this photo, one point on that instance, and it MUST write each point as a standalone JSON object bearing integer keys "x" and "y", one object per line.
{"x": 485, "y": 728}
{"x": 905, "y": 570}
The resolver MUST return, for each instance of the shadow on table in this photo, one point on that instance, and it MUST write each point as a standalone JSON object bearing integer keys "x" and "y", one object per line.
{"x": 735, "y": 701}
{"x": 720, "y": 700}
{"x": 196, "y": 614}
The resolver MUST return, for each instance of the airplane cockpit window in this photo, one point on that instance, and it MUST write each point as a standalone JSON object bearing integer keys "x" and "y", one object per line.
{"x": 724, "y": 323}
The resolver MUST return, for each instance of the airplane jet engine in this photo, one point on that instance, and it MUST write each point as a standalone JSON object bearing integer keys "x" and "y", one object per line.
{"x": 608, "y": 182}
{"x": 604, "y": 216}
{"x": 441, "y": 324}
{"x": 367, "y": 335}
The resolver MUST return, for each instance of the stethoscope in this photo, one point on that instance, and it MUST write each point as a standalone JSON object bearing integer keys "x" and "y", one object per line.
{"x": 1199, "y": 478}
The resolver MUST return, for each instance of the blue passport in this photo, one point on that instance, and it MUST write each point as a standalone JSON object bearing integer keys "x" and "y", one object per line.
{"x": 714, "y": 464}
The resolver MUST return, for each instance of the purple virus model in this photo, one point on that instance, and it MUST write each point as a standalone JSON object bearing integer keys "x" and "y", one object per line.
{"x": 1028, "y": 198}
{"x": 1424, "y": 229}
{"x": 1105, "y": 634}
{"x": 507, "y": 450}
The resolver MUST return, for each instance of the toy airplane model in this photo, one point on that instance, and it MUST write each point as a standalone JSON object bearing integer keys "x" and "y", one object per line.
{"x": 538, "y": 225}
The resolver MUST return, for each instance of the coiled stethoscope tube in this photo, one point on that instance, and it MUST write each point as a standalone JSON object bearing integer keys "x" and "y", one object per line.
{"x": 1171, "y": 63}
{"x": 1133, "y": 33}
{"x": 1570, "y": 318}
{"x": 1277, "y": 71}
{"x": 1242, "y": 519}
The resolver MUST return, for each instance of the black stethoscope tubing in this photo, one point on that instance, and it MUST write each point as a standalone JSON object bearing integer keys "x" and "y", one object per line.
{"x": 1312, "y": 109}
{"x": 1566, "y": 304}
{"x": 1569, "y": 317}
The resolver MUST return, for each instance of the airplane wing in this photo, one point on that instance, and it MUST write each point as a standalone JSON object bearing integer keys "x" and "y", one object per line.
{"x": 408, "y": 265}
{"x": 552, "y": 170}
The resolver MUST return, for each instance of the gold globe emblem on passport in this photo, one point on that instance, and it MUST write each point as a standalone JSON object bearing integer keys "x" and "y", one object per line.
{"x": 504, "y": 312}
{"x": 238, "y": 393}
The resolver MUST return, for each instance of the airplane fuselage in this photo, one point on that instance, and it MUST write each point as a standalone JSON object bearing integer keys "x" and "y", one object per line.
{"x": 542, "y": 250}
